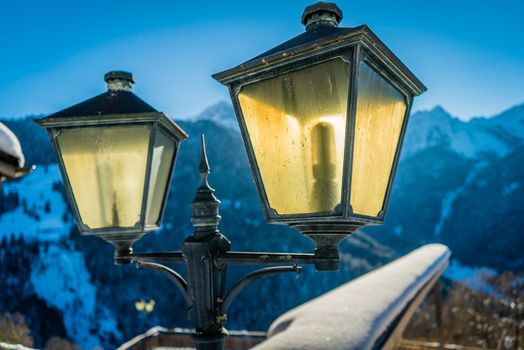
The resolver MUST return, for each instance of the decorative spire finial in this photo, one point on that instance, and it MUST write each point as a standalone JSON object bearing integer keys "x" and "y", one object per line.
{"x": 204, "y": 163}
{"x": 205, "y": 216}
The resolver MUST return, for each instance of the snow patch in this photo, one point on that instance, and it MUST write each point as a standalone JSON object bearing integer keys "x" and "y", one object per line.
{"x": 449, "y": 199}
{"x": 41, "y": 211}
{"x": 60, "y": 277}
{"x": 9, "y": 144}
{"x": 221, "y": 113}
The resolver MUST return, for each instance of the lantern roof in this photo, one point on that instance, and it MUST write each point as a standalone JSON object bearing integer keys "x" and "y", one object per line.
{"x": 109, "y": 102}
{"x": 117, "y": 105}
{"x": 118, "y": 99}
{"x": 322, "y": 34}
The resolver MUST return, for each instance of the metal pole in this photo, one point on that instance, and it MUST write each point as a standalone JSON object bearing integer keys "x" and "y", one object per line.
{"x": 206, "y": 280}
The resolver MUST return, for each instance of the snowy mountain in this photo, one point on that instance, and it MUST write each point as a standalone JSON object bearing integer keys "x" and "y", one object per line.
{"x": 461, "y": 183}
{"x": 221, "y": 113}
{"x": 478, "y": 138}
{"x": 42, "y": 214}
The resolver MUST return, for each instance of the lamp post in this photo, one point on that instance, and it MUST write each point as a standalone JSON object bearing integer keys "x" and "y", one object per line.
{"x": 322, "y": 117}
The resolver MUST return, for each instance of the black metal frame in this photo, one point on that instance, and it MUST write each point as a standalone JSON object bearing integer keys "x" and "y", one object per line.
{"x": 121, "y": 237}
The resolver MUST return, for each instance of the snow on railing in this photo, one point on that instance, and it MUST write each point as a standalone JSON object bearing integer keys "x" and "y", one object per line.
{"x": 367, "y": 313}
{"x": 6, "y": 346}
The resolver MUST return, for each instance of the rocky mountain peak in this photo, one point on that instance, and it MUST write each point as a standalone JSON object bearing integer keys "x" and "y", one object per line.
{"x": 495, "y": 136}
{"x": 221, "y": 113}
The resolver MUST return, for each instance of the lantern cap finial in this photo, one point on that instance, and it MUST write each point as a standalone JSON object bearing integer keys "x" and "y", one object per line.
{"x": 321, "y": 14}
{"x": 119, "y": 80}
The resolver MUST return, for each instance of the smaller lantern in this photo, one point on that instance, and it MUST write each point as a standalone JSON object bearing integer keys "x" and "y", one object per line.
{"x": 116, "y": 154}
{"x": 323, "y": 117}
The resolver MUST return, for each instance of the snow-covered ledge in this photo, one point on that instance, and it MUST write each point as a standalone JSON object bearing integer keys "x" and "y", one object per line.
{"x": 370, "y": 312}
{"x": 11, "y": 157}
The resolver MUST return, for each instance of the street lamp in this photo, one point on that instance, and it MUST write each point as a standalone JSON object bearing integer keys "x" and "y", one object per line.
{"x": 323, "y": 117}
{"x": 116, "y": 154}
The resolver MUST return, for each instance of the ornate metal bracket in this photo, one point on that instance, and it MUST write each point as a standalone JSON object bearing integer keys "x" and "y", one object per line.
{"x": 250, "y": 277}
{"x": 174, "y": 276}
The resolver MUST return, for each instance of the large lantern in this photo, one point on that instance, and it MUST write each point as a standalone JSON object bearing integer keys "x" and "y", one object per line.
{"x": 116, "y": 154}
{"x": 323, "y": 117}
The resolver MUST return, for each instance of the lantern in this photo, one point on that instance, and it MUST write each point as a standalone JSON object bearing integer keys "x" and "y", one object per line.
{"x": 116, "y": 154}
{"x": 323, "y": 117}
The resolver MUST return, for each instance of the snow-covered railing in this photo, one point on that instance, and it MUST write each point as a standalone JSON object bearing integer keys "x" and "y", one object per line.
{"x": 368, "y": 313}
{"x": 6, "y": 346}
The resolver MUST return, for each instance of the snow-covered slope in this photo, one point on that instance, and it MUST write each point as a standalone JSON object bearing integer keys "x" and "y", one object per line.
{"x": 60, "y": 277}
{"x": 508, "y": 125}
{"x": 41, "y": 213}
{"x": 58, "y": 272}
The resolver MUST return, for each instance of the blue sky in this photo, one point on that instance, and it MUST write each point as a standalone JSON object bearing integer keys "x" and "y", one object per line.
{"x": 54, "y": 53}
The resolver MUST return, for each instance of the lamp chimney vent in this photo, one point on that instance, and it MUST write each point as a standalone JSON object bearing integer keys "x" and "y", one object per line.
{"x": 321, "y": 14}
{"x": 119, "y": 81}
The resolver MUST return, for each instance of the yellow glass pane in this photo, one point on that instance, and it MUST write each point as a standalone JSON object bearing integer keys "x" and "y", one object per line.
{"x": 381, "y": 109}
{"x": 106, "y": 169}
{"x": 297, "y": 124}
{"x": 161, "y": 164}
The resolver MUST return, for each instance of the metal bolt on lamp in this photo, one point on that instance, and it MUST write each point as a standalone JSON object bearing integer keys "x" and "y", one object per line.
{"x": 322, "y": 116}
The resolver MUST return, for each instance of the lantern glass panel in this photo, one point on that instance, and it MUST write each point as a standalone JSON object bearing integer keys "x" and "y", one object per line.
{"x": 296, "y": 123}
{"x": 380, "y": 114}
{"x": 106, "y": 169}
{"x": 161, "y": 164}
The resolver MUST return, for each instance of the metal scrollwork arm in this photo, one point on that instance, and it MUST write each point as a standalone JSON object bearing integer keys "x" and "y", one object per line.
{"x": 174, "y": 276}
{"x": 250, "y": 277}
